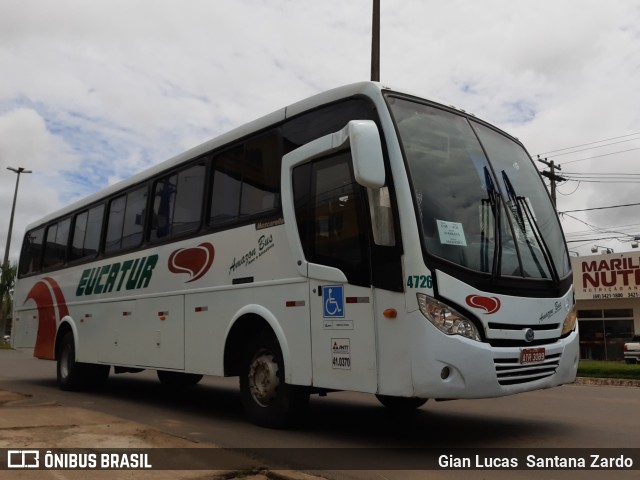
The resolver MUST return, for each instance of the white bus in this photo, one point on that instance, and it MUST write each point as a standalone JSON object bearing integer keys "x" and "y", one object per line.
{"x": 362, "y": 239}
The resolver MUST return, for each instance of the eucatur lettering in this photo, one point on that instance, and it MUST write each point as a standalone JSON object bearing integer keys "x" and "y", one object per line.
{"x": 128, "y": 275}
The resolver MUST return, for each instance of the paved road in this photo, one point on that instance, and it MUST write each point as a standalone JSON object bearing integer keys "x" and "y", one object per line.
{"x": 570, "y": 416}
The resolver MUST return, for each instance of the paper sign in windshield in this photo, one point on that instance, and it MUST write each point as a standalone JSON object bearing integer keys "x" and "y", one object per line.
{"x": 451, "y": 233}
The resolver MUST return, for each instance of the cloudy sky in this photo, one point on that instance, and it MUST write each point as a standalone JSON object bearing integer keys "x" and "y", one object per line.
{"x": 94, "y": 91}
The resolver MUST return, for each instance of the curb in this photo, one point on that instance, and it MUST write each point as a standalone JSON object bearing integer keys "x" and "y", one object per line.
{"x": 612, "y": 382}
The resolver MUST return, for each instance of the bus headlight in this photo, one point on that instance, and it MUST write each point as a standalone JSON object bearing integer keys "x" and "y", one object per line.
{"x": 569, "y": 324}
{"x": 446, "y": 318}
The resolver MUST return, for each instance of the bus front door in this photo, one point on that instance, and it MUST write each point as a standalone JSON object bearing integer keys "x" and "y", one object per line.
{"x": 332, "y": 227}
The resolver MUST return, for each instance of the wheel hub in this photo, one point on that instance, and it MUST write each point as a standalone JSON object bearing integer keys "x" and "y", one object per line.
{"x": 263, "y": 378}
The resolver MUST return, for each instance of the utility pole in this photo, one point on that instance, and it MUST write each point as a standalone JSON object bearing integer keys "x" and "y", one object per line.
{"x": 375, "y": 42}
{"x": 4, "y": 272}
{"x": 551, "y": 175}
{"x": 20, "y": 170}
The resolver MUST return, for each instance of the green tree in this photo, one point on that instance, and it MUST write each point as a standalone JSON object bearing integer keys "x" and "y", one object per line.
{"x": 7, "y": 281}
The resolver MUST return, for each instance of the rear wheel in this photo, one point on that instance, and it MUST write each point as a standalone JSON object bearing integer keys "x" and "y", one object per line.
{"x": 178, "y": 379}
{"x": 72, "y": 375}
{"x": 401, "y": 404}
{"x": 268, "y": 401}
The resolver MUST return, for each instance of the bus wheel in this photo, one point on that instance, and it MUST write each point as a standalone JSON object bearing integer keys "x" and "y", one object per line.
{"x": 73, "y": 375}
{"x": 401, "y": 404}
{"x": 267, "y": 400}
{"x": 178, "y": 379}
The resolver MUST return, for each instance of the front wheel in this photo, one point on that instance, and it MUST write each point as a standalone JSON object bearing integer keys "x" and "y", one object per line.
{"x": 401, "y": 404}
{"x": 268, "y": 401}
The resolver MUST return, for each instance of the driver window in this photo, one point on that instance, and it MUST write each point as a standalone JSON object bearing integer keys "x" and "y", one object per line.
{"x": 331, "y": 216}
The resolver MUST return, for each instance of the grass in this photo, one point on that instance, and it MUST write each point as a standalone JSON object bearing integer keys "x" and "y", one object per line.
{"x": 607, "y": 369}
{"x": 5, "y": 346}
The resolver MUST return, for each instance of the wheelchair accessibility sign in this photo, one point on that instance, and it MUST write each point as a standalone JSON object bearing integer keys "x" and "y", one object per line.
{"x": 333, "y": 301}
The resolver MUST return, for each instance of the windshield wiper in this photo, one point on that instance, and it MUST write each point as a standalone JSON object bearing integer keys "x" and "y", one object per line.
{"x": 494, "y": 202}
{"x": 525, "y": 216}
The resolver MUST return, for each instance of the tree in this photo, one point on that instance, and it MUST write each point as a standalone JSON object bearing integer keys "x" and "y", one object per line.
{"x": 7, "y": 281}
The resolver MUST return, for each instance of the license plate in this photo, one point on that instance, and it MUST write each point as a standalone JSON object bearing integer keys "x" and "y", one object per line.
{"x": 532, "y": 355}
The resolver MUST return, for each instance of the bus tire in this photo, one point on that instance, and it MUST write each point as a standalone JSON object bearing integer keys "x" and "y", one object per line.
{"x": 267, "y": 400}
{"x": 178, "y": 379}
{"x": 72, "y": 375}
{"x": 401, "y": 404}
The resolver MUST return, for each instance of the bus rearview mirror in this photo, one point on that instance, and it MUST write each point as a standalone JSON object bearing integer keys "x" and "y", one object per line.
{"x": 366, "y": 151}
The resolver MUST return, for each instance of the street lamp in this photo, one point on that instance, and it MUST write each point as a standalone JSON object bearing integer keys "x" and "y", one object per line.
{"x": 13, "y": 209}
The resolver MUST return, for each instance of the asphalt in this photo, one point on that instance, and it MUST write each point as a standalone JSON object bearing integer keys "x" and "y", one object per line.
{"x": 27, "y": 422}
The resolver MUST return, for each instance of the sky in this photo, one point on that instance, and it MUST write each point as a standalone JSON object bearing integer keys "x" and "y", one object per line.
{"x": 92, "y": 92}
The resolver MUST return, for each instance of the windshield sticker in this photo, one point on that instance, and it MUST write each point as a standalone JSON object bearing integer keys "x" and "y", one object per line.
{"x": 451, "y": 233}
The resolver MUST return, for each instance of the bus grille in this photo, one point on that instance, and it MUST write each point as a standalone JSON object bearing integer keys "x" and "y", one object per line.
{"x": 510, "y": 372}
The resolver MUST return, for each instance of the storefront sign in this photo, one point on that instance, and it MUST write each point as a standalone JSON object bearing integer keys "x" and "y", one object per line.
{"x": 607, "y": 276}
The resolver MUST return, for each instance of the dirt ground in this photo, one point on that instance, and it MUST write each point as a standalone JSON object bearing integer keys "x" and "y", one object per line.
{"x": 26, "y": 423}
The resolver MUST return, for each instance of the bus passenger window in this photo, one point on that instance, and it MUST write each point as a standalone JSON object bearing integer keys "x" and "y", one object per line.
{"x": 177, "y": 203}
{"x": 227, "y": 182}
{"x": 86, "y": 233}
{"x": 261, "y": 176}
{"x": 31, "y": 256}
{"x": 126, "y": 221}
{"x": 55, "y": 249}
{"x": 246, "y": 180}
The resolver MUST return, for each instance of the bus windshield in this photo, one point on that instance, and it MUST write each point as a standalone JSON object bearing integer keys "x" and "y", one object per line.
{"x": 480, "y": 201}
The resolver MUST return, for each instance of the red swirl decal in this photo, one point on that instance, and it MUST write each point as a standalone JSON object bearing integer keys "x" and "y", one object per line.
{"x": 47, "y": 295}
{"x": 488, "y": 304}
{"x": 194, "y": 261}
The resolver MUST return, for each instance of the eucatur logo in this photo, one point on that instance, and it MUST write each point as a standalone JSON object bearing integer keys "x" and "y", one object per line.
{"x": 194, "y": 261}
{"x": 488, "y": 304}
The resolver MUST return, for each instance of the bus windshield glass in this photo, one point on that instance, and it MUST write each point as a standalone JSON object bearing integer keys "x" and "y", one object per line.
{"x": 480, "y": 201}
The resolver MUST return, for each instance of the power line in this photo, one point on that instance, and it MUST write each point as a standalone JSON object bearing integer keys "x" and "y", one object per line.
{"x": 599, "y": 156}
{"x": 599, "y": 208}
{"x": 590, "y": 143}
{"x": 591, "y": 148}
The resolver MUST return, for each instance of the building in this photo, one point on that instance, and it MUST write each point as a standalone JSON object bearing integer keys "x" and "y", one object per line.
{"x": 608, "y": 302}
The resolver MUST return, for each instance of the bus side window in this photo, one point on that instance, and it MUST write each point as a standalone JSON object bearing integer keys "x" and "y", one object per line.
{"x": 31, "y": 255}
{"x": 126, "y": 221}
{"x": 55, "y": 249}
{"x": 331, "y": 217}
{"x": 227, "y": 183}
{"x": 177, "y": 203}
{"x": 246, "y": 180}
{"x": 261, "y": 176}
{"x": 86, "y": 233}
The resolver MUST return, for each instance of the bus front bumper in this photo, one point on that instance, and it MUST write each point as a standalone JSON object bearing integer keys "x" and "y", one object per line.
{"x": 451, "y": 366}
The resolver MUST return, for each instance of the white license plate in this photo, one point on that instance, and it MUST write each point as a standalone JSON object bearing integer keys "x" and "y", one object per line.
{"x": 532, "y": 355}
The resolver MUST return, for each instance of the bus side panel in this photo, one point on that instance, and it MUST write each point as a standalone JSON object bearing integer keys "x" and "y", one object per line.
{"x": 117, "y": 346}
{"x": 394, "y": 335}
{"x": 208, "y": 315}
{"x": 90, "y": 329}
{"x": 160, "y": 343}
{"x": 25, "y": 329}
